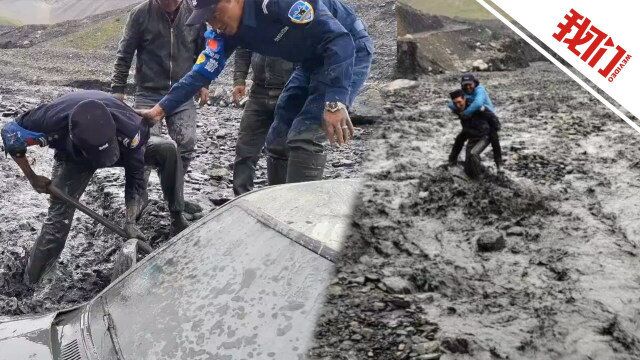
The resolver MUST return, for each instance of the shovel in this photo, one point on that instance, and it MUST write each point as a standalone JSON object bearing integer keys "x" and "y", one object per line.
{"x": 127, "y": 256}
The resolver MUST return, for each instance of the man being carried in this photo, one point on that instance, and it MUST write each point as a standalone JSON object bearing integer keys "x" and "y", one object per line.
{"x": 478, "y": 99}
{"x": 476, "y": 130}
{"x": 165, "y": 49}
{"x": 89, "y": 130}
{"x": 329, "y": 42}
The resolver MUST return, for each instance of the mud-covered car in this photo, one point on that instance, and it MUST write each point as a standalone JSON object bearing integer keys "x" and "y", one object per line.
{"x": 245, "y": 282}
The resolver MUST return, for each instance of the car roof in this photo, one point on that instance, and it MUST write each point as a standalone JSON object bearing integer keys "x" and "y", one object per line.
{"x": 321, "y": 210}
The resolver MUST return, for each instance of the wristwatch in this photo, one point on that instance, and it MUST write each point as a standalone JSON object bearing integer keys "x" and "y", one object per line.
{"x": 333, "y": 106}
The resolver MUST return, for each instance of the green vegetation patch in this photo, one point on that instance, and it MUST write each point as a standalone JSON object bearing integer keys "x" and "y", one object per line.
{"x": 465, "y": 9}
{"x": 103, "y": 34}
{"x": 8, "y": 21}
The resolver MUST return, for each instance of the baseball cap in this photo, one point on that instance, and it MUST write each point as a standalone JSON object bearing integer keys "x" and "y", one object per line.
{"x": 468, "y": 79}
{"x": 202, "y": 9}
{"x": 93, "y": 131}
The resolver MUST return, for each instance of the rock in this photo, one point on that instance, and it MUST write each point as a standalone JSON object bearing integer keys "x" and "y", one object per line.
{"x": 219, "y": 201}
{"x": 433, "y": 356}
{"x": 426, "y": 347}
{"x": 480, "y": 65}
{"x": 221, "y": 134}
{"x": 342, "y": 163}
{"x": 456, "y": 345}
{"x": 368, "y": 107}
{"x": 219, "y": 174}
{"x": 516, "y": 231}
{"x": 490, "y": 241}
{"x": 400, "y": 84}
{"x": 397, "y": 285}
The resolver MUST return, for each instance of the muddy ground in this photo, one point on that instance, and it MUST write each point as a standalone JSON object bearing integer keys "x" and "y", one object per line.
{"x": 50, "y": 69}
{"x": 412, "y": 283}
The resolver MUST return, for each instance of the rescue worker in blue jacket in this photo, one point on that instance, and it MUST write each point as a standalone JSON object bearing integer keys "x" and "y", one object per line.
{"x": 478, "y": 101}
{"x": 89, "y": 130}
{"x": 333, "y": 51}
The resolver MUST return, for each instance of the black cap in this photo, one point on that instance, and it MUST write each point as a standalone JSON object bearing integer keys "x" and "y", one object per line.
{"x": 456, "y": 94}
{"x": 468, "y": 78}
{"x": 93, "y": 132}
{"x": 202, "y": 9}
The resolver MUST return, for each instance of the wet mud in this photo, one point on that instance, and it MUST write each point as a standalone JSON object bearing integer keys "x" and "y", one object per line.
{"x": 540, "y": 262}
{"x": 86, "y": 263}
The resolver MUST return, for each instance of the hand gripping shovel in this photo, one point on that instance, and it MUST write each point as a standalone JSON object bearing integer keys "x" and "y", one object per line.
{"x": 127, "y": 256}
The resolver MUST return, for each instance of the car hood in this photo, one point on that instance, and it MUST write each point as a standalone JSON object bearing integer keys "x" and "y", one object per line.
{"x": 26, "y": 337}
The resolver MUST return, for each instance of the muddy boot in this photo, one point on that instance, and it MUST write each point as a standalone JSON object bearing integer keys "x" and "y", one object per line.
{"x": 473, "y": 166}
{"x": 178, "y": 222}
{"x": 276, "y": 170}
{"x": 191, "y": 207}
{"x": 305, "y": 166}
{"x": 37, "y": 267}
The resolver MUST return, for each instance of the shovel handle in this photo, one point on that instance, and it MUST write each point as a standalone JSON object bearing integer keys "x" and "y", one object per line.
{"x": 94, "y": 215}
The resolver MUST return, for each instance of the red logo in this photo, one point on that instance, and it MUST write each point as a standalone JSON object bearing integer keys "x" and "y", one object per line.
{"x": 592, "y": 44}
{"x": 212, "y": 44}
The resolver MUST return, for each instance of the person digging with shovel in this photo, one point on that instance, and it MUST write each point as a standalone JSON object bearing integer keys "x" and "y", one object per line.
{"x": 88, "y": 130}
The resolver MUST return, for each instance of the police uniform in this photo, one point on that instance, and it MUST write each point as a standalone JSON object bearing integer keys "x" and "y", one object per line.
{"x": 322, "y": 43}
{"x": 49, "y": 125}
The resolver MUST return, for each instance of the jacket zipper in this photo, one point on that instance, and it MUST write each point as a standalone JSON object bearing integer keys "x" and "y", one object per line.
{"x": 171, "y": 61}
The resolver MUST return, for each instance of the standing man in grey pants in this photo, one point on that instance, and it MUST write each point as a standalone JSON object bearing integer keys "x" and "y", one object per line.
{"x": 166, "y": 49}
{"x": 270, "y": 75}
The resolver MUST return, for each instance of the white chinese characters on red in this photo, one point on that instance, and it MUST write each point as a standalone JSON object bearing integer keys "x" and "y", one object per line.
{"x": 592, "y": 45}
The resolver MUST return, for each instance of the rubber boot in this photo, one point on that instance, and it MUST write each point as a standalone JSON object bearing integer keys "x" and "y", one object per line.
{"x": 276, "y": 170}
{"x": 305, "y": 166}
{"x": 178, "y": 222}
{"x": 38, "y": 265}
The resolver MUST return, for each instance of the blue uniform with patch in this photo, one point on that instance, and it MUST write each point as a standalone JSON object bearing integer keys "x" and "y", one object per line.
{"x": 48, "y": 125}
{"x": 325, "y": 38}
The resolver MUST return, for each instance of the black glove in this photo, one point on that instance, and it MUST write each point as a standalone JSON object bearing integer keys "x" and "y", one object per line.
{"x": 40, "y": 183}
{"x": 132, "y": 230}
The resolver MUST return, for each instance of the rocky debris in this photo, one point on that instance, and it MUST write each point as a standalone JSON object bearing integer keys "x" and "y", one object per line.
{"x": 411, "y": 21}
{"x": 87, "y": 261}
{"x": 569, "y": 191}
{"x": 457, "y": 45}
{"x": 399, "y": 85}
{"x": 396, "y": 285}
{"x": 490, "y": 241}
{"x": 368, "y": 107}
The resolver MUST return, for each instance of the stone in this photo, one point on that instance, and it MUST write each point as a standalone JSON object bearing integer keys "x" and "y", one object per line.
{"x": 400, "y": 84}
{"x": 480, "y": 65}
{"x": 426, "y": 347}
{"x": 219, "y": 174}
{"x": 397, "y": 285}
{"x": 489, "y": 241}
{"x": 516, "y": 231}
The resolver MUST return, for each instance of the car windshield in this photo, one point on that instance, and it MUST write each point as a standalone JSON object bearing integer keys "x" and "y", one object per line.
{"x": 232, "y": 288}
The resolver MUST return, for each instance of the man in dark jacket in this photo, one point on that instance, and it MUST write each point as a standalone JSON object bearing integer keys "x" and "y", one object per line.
{"x": 476, "y": 132}
{"x": 89, "y": 130}
{"x": 269, "y": 78}
{"x": 165, "y": 49}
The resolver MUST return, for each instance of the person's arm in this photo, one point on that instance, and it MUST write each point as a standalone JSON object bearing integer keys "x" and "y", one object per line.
{"x": 478, "y": 101}
{"x": 242, "y": 64}
{"x": 334, "y": 44}
{"x": 16, "y": 139}
{"x": 127, "y": 48}
{"x": 206, "y": 69}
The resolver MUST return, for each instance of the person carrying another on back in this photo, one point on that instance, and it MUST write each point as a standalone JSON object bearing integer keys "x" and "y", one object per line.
{"x": 476, "y": 130}
{"x": 478, "y": 100}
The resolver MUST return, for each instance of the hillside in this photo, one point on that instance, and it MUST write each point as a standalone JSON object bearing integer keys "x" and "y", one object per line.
{"x": 54, "y": 11}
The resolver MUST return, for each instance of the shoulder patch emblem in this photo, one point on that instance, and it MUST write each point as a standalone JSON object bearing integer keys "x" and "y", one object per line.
{"x": 301, "y": 12}
{"x": 135, "y": 141}
{"x": 201, "y": 59}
